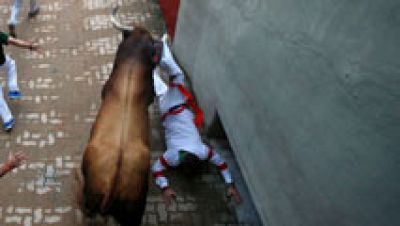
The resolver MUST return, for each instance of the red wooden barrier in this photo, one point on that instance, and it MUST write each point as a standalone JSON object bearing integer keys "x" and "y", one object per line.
{"x": 169, "y": 9}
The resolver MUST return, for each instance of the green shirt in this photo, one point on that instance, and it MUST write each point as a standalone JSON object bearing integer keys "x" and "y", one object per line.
{"x": 3, "y": 41}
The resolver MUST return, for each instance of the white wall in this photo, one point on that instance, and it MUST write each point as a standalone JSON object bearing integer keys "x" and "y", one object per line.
{"x": 309, "y": 95}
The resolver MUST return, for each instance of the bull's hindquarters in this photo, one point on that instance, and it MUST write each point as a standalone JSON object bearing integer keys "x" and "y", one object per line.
{"x": 115, "y": 185}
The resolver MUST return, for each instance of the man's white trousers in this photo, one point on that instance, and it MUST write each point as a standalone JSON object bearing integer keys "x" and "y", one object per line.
{"x": 15, "y": 10}
{"x": 12, "y": 82}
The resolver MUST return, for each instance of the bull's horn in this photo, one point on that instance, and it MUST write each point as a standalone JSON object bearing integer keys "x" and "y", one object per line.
{"x": 118, "y": 24}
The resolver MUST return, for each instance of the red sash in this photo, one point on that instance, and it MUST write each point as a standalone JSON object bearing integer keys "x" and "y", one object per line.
{"x": 190, "y": 102}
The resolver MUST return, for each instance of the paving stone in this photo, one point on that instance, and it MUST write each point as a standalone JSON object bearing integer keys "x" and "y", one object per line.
{"x": 172, "y": 207}
{"x": 150, "y": 207}
{"x": 152, "y": 219}
{"x": 187, "y": 207}
{"x": 176, "y": 217}
{"x": 162, "y": 213}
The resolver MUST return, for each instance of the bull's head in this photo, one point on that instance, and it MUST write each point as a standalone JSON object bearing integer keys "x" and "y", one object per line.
{"x": 128, "y": 31}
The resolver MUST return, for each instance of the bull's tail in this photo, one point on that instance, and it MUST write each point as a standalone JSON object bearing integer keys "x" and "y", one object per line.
{"x": 109, "y": 197}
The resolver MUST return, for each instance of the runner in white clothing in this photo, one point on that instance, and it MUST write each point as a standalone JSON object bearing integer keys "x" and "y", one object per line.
{"x": 184, "y": 144}
{"x": 8, "y": 64}
{"x": 12, "y": 22}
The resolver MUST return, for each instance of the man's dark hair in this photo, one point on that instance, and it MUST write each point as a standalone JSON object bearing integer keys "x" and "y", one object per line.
{"x": 189, "y": 162}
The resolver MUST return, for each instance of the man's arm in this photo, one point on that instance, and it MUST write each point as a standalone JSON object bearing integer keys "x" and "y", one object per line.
{"x": 13, "y": 162}
{"x": 23, "y": 44}
{"x": 169, "y": 64}
{"x": 160, "y": 88}
{"x": 158, "y": 169}
{"x": 216, "y": 159}
{"x": 177, "y": 81}
{"x": 5, "y": 169}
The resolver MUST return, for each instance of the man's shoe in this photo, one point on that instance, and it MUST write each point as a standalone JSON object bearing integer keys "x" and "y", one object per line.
{"x": 14, "y": 94}
{"x": 11, "y": 29}
{"x": 8, "y": 126}
{"x": 34, "y": 13}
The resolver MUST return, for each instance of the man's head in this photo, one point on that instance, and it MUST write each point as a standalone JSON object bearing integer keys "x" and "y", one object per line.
{"x": 189, "y": 162}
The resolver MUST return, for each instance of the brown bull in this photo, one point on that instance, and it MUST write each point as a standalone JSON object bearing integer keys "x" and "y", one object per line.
{"x": 116, "y": 161}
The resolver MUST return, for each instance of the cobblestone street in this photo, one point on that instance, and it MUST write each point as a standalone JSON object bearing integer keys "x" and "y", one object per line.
{"x": 61, "y": 91}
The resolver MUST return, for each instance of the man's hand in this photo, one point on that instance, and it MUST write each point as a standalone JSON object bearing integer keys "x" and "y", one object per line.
{"x": 233, "y": 193}
{"x": 168, "y": 194}
{"x": 13, "y": 162}
{"x": 35, "y": 47}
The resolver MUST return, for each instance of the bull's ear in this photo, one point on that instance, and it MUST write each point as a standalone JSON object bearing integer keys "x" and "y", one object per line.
{"x": 125, "y": 34}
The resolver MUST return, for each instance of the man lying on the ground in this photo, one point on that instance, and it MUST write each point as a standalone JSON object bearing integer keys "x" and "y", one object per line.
{"x": 13, "y": 162}
{"x": 184, "y": 144}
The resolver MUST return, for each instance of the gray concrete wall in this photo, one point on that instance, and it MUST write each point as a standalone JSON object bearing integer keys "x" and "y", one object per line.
{"x": 309, "y": 95}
